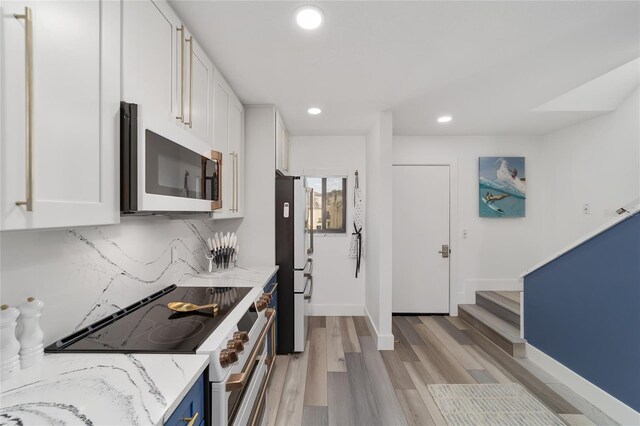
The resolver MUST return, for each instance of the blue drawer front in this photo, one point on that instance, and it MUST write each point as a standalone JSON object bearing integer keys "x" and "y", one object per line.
{"x": 192, "y": 403}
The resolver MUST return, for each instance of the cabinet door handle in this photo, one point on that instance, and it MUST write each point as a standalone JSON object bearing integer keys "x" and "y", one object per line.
{"x": 181, "y": 31}
{"x": 235, "y": 182}
{"x": 28, "y": 41}
{"x": 190, "y": 41}
{"x": 191, "y": 420}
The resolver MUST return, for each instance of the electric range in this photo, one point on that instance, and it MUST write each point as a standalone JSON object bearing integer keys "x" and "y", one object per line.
{"x": 233, "y": 335}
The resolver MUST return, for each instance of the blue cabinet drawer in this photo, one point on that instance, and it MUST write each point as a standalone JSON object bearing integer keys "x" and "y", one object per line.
{"x": 194, "y": 402}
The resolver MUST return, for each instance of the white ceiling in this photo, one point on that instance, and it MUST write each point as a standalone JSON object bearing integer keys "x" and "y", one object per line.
{"x": 489, "y": 64}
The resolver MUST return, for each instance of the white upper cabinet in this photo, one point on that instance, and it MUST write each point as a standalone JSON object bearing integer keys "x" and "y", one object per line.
{"x": 167, "y": 74}
{"x": 60, "y": 85}
{"x": 228, "y": 131}
{"x": 152, "y": 63}
{"x": 198, "y": 91}
{"x": 236, "y": 151}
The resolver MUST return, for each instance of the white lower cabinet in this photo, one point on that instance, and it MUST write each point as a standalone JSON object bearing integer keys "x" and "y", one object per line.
{"x": 60, "y": 85}
{"x": 228, "y": 131}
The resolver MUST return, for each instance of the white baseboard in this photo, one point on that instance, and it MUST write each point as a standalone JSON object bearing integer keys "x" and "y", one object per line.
{"x": 614, "y": 408}
{"x": 314, "y": 310}
{"x": 384, "y": 342}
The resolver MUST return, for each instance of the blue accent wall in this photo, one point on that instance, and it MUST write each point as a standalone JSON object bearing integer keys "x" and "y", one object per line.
{"x": 583, "y": 310}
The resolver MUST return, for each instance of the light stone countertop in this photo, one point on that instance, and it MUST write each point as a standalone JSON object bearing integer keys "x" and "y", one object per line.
{"x": 236, "y": 277}
{"x": 113, "y": 388}
{"x": 99, "y": 389}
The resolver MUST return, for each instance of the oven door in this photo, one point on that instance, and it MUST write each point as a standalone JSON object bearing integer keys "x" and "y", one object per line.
{"x": 241, "y": 402}
{"x": 246, "y": 404}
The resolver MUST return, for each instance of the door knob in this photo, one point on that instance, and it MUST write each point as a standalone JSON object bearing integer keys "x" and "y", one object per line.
{"x": 445, "y": 251}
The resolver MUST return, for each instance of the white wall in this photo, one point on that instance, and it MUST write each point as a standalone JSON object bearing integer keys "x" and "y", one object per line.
{"x": 336, "y": 291}
{"x": 84, "y": 274}
{"x": 377, "y": 229}
{"x": 497, "y": 250}
{"x": 596, "y": 162}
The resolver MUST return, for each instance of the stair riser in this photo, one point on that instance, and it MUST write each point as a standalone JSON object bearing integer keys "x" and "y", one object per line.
{"x": 516, "y": 350}
{"x": 497, "y": 310}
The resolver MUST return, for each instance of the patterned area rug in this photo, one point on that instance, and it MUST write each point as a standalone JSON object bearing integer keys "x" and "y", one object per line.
{"x": 493, "y": 404}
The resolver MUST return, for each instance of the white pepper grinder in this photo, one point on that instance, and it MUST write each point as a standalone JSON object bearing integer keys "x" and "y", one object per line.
{"x": 9, "y": 345}
{"x": 31, "y": 337}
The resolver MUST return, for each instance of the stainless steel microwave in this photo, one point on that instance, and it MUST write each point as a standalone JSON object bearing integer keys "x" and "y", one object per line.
{"x": 161, "y": 175}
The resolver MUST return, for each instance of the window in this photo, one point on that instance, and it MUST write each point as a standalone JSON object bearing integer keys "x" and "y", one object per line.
{"x": 329, "y": 204}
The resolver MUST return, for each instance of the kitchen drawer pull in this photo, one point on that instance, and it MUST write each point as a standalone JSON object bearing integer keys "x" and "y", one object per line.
{"x": 28, "y": 41}
{"x": 238, "y": 381}
{"x": 190, "y": 41}
{"x": 191, "y": 420}
{"x": 181, "y": 116}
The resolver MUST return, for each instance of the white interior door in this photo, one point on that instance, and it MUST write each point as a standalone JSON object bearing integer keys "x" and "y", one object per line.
{"x": 420, "y": 229}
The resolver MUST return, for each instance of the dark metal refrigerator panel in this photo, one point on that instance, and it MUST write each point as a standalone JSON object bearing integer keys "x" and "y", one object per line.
{"x": 284, "y": 259}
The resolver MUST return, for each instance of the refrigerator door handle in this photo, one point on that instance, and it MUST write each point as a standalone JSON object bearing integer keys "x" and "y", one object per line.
{"x": 311, "y": 199}
{"x": 310, "y": 286}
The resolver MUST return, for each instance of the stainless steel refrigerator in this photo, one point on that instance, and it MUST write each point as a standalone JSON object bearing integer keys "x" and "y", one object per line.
{"x": 294, "y": 247}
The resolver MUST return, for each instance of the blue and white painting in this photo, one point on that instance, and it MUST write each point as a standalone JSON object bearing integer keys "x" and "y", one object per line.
{"x": 502, "y": 186}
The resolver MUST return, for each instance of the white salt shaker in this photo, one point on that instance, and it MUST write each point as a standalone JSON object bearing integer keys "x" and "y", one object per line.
{"x": 9, "y": 345}
{"x": 31, "y": 337}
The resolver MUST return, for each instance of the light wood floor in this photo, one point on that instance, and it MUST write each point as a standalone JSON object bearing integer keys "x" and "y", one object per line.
{"x": 341, "y": 379}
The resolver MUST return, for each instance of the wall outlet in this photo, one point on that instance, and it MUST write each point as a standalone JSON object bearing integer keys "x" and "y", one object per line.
{"x": 174, "y": 254}
{"x": 586, "y": 209}
{"x": 465, "y": 234}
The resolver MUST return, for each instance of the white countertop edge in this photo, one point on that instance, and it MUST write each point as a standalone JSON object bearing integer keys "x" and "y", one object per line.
{"x": 185, "y": 390}
{"x": 239, "y": 276}
{"x": 583, "y": 240}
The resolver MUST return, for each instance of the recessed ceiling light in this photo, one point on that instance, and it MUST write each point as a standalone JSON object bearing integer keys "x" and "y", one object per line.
{"x": 314, "y": 110}
{"x": 309, "y": 17}
{"x": 445, "y": 119}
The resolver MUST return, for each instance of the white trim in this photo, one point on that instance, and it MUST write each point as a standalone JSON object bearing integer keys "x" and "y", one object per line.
{"x": 316, "y": 310}
{"x": 521, "y": 310}
{"x": 614, "y": 408}
{"x": 454, "y": 238}
{"x": 384, "y": 342}
{"x": 583, "y": 240}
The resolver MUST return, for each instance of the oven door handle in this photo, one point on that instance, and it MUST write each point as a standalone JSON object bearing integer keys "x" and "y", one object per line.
{"x": 237, "y": 381}
{"x": 261, "y": 394}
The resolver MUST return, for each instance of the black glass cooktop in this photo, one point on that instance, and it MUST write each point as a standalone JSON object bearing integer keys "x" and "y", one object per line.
{"x": 150, "y": 326}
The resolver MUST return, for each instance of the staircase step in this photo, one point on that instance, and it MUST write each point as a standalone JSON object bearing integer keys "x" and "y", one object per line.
{"x": 500, "y": 305}
{"x": 501, "y": 332}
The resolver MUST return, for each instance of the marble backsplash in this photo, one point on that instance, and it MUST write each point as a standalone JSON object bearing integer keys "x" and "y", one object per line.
{"x": 84, "y": 274}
